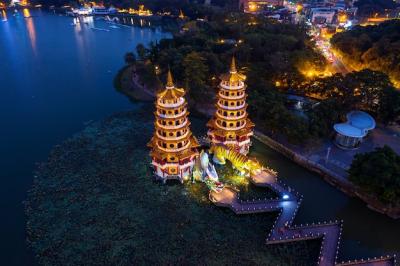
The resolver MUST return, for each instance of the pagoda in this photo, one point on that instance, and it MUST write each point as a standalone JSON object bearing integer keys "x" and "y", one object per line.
{"x": 173, "y": 147}
{"x": 230, "y": 125}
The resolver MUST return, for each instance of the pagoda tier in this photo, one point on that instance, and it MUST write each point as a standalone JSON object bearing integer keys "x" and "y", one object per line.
{"x": 230, "y": 125}
{"x": 173, "y": 147}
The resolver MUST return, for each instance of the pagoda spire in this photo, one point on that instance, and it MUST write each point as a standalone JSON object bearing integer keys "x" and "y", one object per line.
{"x": 170, "y": 80}
{"x": 233, "y": 65}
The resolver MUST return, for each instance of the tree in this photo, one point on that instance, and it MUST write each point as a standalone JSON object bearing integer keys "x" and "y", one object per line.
{"x": 367, "y": 90}
{"x": 389, "y": 109}
{"x": 195, "y": 75}
{"x": 130, "y": 58}
{"x": 373, "y": 47}
{"x": 141, "y": 51}
{"x": 378, "y": 172}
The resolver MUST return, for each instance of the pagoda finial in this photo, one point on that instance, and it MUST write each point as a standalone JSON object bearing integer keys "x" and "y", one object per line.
{"x": 170, "y": 81}
{"x": 233, "y": 65}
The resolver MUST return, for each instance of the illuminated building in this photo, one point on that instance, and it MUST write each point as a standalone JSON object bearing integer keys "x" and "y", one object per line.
{"x": 141, "y": 11}
{"x": 256, "y": 6}
{"x": 323, "y": 15}
{"x": 173, "y": 147}
{"x": 230, "y": 125}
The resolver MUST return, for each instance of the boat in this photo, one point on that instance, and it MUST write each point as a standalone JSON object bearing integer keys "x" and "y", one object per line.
{"x": 99, "y": 10}
{"x": 102, "y": 11}
{"x": 83, "y": 11}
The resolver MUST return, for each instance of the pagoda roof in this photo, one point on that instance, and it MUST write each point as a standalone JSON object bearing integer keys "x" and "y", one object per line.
{"x": 213, "y": 125}
{"x": 161, "y": 154}
{"x": 170, "y": 92}
{"x": 227, "y": 108}
{"x": 184, "y": 114}
{"x": 233, "y": 75}
{"x": 232, "y": 98}
{"x": 173, "y": 128}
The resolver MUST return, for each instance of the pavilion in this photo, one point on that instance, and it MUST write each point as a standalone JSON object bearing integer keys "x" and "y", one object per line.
{"x": 350, "y": 134}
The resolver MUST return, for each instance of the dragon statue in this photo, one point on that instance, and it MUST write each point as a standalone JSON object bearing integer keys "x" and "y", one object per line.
{"x": 204, "y": 171}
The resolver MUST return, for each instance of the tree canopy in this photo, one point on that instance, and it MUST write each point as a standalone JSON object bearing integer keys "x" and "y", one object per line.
{"x": 374, "y": 47}
{"x": 378, "y": 172}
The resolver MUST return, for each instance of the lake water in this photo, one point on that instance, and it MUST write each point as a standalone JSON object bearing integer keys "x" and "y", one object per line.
{"x": 55, "y": 76}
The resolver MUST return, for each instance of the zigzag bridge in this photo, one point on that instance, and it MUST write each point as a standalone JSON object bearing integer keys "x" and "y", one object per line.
{"x": 283, "y": 229}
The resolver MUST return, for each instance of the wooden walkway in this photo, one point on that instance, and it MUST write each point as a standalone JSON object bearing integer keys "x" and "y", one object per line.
{"x": 283, "y": 230}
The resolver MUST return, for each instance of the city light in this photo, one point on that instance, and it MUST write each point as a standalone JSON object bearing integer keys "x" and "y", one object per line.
{"x": 253, "y": 7}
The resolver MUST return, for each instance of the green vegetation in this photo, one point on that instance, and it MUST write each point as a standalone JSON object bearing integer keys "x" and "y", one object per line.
{"x": 94, "y": 202}
{"x": 130, "y": 58}
{"x": 374, "y": 47}
{"x": 203, "y": 49}
{"x": 368, "y": 8}
{"x": 265, "y": 51}
{"x": 366, "y": 90}
{"x": 378, "y": 172}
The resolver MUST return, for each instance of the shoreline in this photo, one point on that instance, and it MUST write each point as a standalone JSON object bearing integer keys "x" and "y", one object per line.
{"x": 334, "y": 179}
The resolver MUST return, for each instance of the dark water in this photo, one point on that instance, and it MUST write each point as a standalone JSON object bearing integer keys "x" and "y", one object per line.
{"x": 365, "y": 232}
{"x": 54, "y": 77}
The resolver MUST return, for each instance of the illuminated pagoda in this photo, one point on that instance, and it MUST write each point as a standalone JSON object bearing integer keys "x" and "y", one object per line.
{"x": 173, "y": 147}
{"x": 230, "y": 125}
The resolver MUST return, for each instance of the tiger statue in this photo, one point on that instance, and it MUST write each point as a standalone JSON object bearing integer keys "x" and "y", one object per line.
{"x": 242, "y": 163}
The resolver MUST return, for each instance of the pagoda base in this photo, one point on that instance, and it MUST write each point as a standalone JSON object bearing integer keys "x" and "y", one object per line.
{"x": 243, "y": 146}
{"x": 173, "y": 171}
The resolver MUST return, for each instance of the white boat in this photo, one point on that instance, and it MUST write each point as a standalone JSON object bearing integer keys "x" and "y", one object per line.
{"x": 100, "y": 10}
{"x": 83, "y": 11}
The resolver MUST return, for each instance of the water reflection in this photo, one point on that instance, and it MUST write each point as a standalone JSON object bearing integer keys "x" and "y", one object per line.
{"x": 31, "y": 29}
{"x": 364, "y": 231}
{"x": 66, "y": 93}
{"x": 3, "y": 15}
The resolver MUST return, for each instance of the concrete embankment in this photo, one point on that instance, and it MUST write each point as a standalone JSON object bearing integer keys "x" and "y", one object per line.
{"x": 329, "y": 176}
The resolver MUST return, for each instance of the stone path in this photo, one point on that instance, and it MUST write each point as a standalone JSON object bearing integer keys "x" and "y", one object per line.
{"x": 283, "y": 230}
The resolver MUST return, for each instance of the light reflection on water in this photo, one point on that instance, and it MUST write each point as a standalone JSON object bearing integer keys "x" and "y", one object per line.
{"x": 3, "y": 15}
{"x": 54, "y": 76}
{"x": 365, "y": 232}
{"x": 30, "y": 28}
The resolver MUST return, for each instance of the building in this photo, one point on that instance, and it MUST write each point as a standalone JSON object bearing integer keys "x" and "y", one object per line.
{"x": 257, "y": 6}
{"x": 230, "y": 125}
{"x": 323, "y": 15}
{"x": 350, "y": 134}
{"x": 173, "y": 147}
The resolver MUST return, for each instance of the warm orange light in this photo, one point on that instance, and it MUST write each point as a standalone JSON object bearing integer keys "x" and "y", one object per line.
{"x": 342, "y": 18}
{"x": 4, "y": 15}
{"x": 24, "y": 3}
{"x": 26, "y": 13}
{"x": 141, "y": 11}
{"x": 253, "y": 7}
